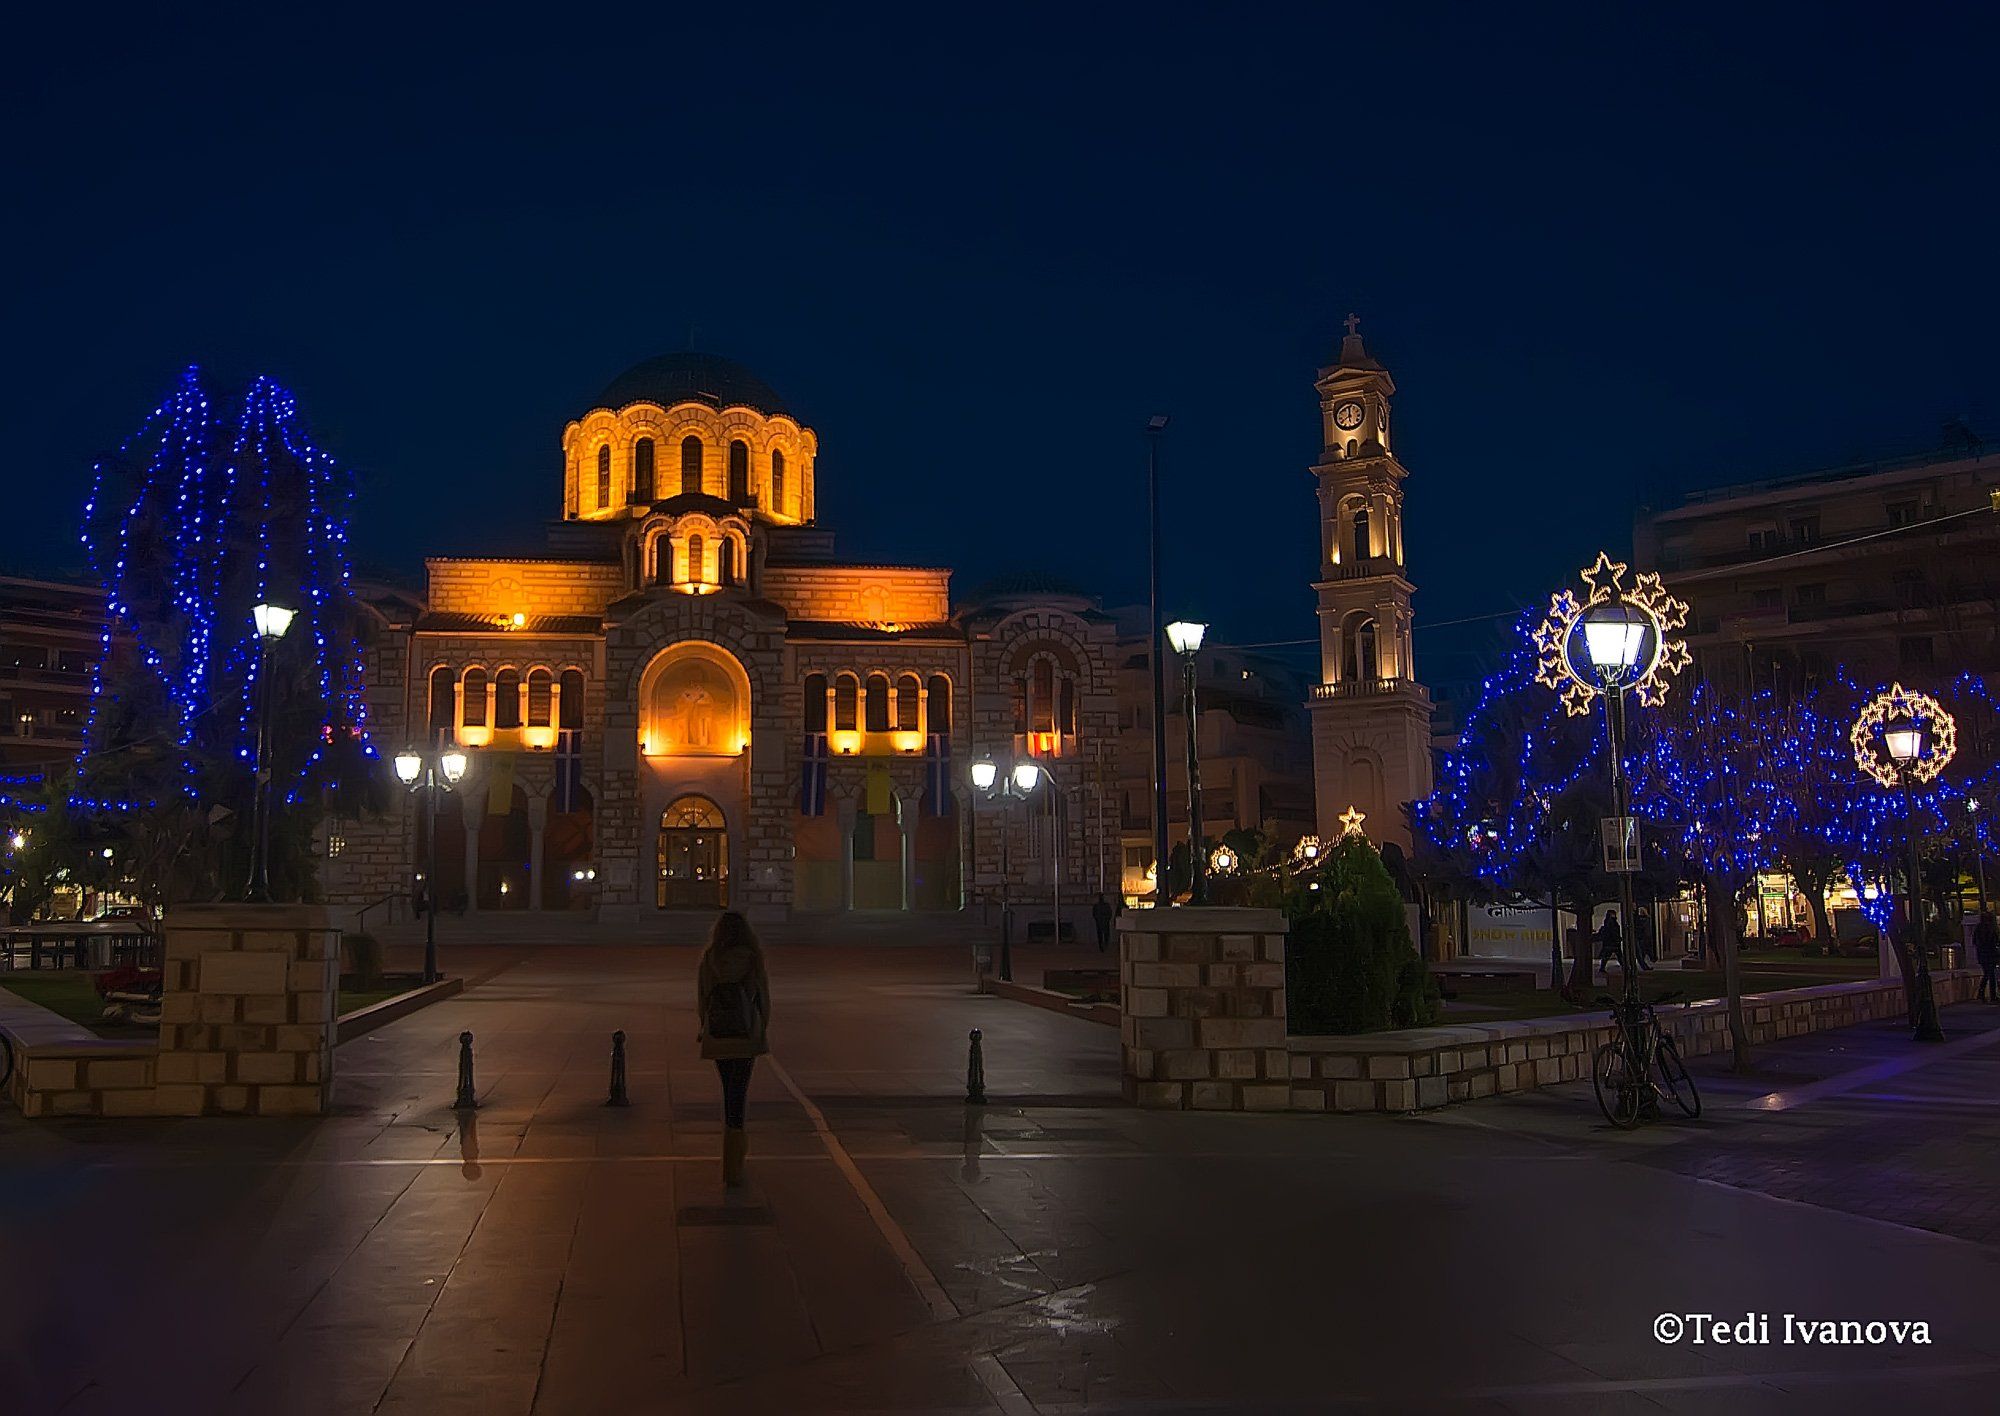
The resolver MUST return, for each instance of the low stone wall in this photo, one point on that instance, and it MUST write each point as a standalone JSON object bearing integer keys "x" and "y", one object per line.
{"x": 64, "y": 1069}
{"x": 1421, "y": 1068}
{"x": 1203, "y": 994}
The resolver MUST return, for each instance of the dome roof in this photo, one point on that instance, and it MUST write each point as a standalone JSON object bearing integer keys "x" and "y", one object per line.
{"x": 691, "y": 378}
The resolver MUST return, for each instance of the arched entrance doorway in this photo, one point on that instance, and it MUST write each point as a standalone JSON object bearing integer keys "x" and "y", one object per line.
{"x": 693, "y": 856}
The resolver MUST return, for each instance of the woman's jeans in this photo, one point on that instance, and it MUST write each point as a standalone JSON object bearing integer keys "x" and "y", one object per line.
{"x": 735, "y": 1073}
{"x": 1987, "y": 988}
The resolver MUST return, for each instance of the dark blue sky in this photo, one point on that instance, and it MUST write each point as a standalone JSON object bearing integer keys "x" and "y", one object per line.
{"x": 1609, "y": 252}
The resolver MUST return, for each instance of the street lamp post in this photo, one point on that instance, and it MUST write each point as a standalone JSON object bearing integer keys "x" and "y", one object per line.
{"x": 1186, "y": 637}
{"x": 271, "y": 622}
{"x": 1978, "y": 855}
{"x": 1904, "y": 740}
{"x": 1155, "y": 427}
{"x": 1017, "y": 783}
{"x": 430, "y": 775}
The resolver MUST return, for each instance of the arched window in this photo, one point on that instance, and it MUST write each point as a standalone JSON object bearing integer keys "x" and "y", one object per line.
{"x": 1066, "y": 707}
{"x": 690, "y": 464}
{"x": 725, "y": 560}
{"x": 642, "y": 470}
{"x": 815, "y": 706}
{"x": 572, "y": 698}
{"x": 777, "y": 482}
{"x": 739, "y": 472}
{"x": 846, "y": 703}
{"x": 663, "y": 560}
{"x": 475, "y": 699}
{"x": 877, "y": 707}
{"x": 1362, "y": 550}
{"x": 1359, "y": 650}
{"x": 444, "y": 703}
{"x": 937, "y": 705}
{"x": 697, "y": 571}
{"x": 541, "y": 698}
{"x": 507, "y": 699}
{"x": 1042, "y": 698}
{"x": 604, "y": 477}
{"x": 909, "y": 703}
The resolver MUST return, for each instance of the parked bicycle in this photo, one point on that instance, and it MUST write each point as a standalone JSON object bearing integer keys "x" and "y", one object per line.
{"x": 1640, "y": 1066}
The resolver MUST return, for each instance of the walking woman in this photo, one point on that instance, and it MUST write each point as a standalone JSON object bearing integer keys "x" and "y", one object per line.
{"x": 734, "y": 998}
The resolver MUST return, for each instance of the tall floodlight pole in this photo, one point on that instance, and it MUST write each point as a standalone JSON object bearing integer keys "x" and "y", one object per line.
{"x": 1155, "y": 630}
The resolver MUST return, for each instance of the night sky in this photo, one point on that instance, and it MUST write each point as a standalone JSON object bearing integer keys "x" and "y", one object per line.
{"x": 1610, "y": 254}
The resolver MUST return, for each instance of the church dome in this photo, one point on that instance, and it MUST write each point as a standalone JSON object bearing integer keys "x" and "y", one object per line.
{"x": 691, "y": 378}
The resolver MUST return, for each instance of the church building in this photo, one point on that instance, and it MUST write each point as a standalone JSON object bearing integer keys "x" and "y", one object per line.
{"x": 690, "y": 701}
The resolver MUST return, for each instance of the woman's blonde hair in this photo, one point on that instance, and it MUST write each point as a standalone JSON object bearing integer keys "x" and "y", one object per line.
{"x": 732, "y": 931}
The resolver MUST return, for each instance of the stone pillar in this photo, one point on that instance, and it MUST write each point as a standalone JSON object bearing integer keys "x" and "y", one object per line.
{"x": 906, "y": 818}
{"x": 844, "y": 812}
{"x": 538, "y": 820}
{"x": 1203, "y": 993}
{"x": 473, "y": 806}
{"x": 247, "y": 1018}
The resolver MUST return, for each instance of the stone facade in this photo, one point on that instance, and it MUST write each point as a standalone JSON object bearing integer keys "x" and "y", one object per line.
{"x": 1203, "y": 994}
{"x": 691, "y": 702}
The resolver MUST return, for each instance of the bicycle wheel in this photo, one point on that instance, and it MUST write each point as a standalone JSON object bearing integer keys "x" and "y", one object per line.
{"x": 1674, "y": 1078}
{"x": 6, "y": 1059}
{"x": 1618, "y": 1088}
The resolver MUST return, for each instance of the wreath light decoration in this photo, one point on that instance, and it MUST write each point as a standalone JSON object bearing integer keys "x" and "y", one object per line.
{"x": 1604, "y": 584}
{"x": 1900, "y": 705}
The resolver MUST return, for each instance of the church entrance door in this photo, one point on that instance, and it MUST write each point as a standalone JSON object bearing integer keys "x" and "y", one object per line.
{"x": 694, "y": 856}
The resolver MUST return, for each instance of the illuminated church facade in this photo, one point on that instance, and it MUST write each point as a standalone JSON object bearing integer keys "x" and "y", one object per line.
{"x": 690, "y": 701}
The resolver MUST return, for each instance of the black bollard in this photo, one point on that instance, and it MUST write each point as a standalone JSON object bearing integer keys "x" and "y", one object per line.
{"x": 975, "y": 1073}
{"x": 466, "y": 1101}
{"x": 618, "y": 1097}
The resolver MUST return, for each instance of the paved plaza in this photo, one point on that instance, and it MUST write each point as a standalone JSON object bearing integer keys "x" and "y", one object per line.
{"x": 1054, "y": 1251}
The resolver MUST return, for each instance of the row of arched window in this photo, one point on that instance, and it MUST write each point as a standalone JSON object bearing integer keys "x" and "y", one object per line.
{"x": 697, "y": 558}
{"x": 847, "y": 703}
{"x": 645, "y": 479}
{"x": 504, "y": 699}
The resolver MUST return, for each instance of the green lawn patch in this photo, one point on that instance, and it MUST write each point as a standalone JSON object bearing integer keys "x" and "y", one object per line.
{"x": 1692, "y": 986}
{"x": 71, "y": 994}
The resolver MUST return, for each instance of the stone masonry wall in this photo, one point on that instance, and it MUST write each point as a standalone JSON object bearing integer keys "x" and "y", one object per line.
{"x": 1204, "y": 1002}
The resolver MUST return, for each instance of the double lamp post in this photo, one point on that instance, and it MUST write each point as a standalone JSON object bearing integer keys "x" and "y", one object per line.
{"x": 430, "y": 773}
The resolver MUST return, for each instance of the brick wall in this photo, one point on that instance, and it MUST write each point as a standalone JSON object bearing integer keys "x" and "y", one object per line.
{"x": 1203, "y": 992}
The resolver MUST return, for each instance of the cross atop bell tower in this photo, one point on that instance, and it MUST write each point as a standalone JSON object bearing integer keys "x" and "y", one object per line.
{"x": 1371, "y": 718}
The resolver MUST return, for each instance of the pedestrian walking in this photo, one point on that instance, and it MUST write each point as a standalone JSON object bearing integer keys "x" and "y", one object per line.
{"x": 1986, "y": 945}
{"x": 1643, "y": 941}
{"x": 1102, "y": 913}
{"x": 734, "y": 1002}
{"x": 1610, "y": 944}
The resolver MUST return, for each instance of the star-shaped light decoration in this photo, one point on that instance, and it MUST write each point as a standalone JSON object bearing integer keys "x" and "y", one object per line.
{"x": 1903, "y": 705}
{"x": 1556, "y": 635}
{"x": 1350, "y": 821}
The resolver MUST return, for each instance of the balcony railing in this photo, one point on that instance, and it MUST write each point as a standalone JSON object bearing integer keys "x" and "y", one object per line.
{"x": 1365, "y": 567}
{"x": 1359, "y": 688}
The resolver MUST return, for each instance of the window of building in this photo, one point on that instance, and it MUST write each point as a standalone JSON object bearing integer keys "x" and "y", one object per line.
{"x": 725, "y": 559}
{"x": 642, "y": 470}
{"x": 846, "y": 703}
{"x": 1902, "y": 513}
{"x": 1914, "y": 651}
{"x": 507, "y": 699}
{"x": 475, "y": 698}
{"x": 876, "y": 707}
{"x": 444, "y": 703}
{"x": 1769, "y": 597}
{"x": 815, "y": 707}
{"x": 571, "y": 683}
{"x": 739, "y": 472}
{"x": 1805, "y": 530}
{"x": 72, "y": 661}
{"x": 1042, "y": 699}
{"x": 690, "y": 464}
{"x": 1912, "y": 588}
{"x": 541, "y": 698}
{"x": 937, "y": 705}
{"x": 909, "y": 704}
{"x": 697, "y": 569}
{"x": 1765, "y": 538}
{"x": 1361, "y": 542}
{"x": 777, "y": 481}
{"x": 604, "y": 476}
{"x": 1809, "y": 597}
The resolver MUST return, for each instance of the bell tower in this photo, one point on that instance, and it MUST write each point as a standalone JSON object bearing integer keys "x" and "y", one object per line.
{"x": 1371, "y": 719}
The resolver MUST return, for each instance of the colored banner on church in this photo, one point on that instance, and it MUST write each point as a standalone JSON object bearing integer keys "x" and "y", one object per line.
{"x": 812, "y": 776}
{"x": 499, "y": 782}
{"x": 569, "y": 769}
{"x": 879, "y": 799}
{"x": 937, "y": 775}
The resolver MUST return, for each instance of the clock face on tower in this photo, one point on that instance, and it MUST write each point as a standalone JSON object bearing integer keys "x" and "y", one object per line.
{"x": 1348, "y": 415}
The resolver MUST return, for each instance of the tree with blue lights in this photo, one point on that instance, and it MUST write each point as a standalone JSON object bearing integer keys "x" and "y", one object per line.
{"x": 219, "y": 502}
